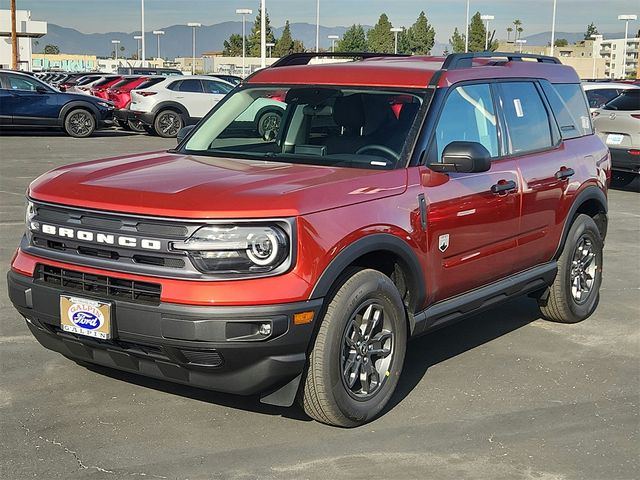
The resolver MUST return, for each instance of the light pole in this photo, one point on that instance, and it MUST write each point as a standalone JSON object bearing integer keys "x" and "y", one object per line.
{"x": 396, "y": 31}
{"x": 142, "y": 31}
{"x": 193, "y": 25}
{"x": 244, "y": 12}
{"x": 317, "y": 26}
{"x": 466, "y": 31}
{"x": 157, "y": 33}
{"x": 521, "y": 42}
{"x": 263, "y": 33}
{"x": 138, "y": 38}
{"x": 486, "y": 18}
{"x": 553, "y": 28}
{"x": 115, "y": 44}
{"x": 333, "y": 39}
{"x": 626, "y": 19}
{"x": 597, "y": 40}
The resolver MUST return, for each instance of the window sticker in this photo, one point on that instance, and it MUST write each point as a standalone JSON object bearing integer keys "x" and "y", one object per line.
{"x": 586, "y": 124}
{"x": 518, "y": 107}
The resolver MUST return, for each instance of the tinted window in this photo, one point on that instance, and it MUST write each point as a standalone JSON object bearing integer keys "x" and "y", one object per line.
{"x": 627, "y": 101}
{"x": 190, "y": 86}
{"x": 22, "y": 83}
{"x": 149, "y": 83}
{"x": 570, "y": 109}
{"x": 526, "y": 118}
{"x": 104, "y": 81}
{"x": 123, "y": 82}
{"x": 598, "y": 98}
{"x": 468, "y": 115}
{"x": 211, "y": 86}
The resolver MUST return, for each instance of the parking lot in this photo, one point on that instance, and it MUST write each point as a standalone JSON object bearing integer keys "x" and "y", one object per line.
{"x": 503, "y": 395}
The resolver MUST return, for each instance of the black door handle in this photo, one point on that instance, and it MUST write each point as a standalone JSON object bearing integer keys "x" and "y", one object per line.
{"x": 564, "y": 173}
{"x": 503, "y": 186}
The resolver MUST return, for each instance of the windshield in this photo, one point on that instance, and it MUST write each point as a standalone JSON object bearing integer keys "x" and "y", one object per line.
{"x": 334, "y": 126}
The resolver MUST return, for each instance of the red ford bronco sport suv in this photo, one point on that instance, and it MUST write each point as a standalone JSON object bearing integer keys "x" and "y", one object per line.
{"x": 394, "y": 196}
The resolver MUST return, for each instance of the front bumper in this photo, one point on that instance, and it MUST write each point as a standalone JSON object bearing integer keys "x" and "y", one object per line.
{"x": 206, "y": 347}
{"x": 623, "y": 161}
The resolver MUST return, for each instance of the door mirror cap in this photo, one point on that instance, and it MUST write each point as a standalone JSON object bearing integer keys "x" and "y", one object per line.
{"x": 463, "y": 157}
{"x": 40, "y": 89}
{"x": 183, "y": 132}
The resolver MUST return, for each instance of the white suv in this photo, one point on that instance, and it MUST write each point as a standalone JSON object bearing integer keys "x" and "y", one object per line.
{"x": 165, "y": 107}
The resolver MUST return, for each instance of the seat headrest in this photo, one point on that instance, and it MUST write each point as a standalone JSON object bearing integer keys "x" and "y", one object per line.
{"x": 349, "y": 112}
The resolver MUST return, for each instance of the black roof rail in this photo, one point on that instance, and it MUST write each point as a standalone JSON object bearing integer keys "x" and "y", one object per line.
{"x": 305, "y": 57}
{"x": 465, "y": 60}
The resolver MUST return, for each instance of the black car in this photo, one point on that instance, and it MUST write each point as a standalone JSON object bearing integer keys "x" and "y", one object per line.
{"x": 26, "y": 101}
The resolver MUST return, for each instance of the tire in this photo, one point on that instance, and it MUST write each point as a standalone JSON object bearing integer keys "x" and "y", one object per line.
{"x": 269, "y": 120}
{"x": 79, "y": 123}
{"x": 575, "y": 292}
{"x": 168, "y": 123}
{"x": 135, "y": 126}
{"x": 346, "y": 400}
{"x": 123, "y": 125}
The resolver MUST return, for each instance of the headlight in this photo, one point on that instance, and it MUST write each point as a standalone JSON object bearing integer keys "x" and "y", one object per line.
{"x": 30, "y": 215}
{"x": 105, "y": 105}
{"x": 237, "y": 249}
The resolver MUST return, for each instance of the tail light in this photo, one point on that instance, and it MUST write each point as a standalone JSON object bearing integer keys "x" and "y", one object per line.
{"x": 146, "y": 94}
{"x": 634, "y": 152}
{"x": 635, "y": 115}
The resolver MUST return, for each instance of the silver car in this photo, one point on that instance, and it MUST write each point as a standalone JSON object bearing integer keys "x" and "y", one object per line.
{"x": 618, "y": 124}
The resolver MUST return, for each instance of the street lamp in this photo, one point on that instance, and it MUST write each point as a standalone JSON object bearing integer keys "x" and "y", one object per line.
{"x": 597, "y": 40}
{"x": 244, "y": 12}
{"x": 466, "y": 31}
{"x": 486, "y": 18}
{"x": 263, "y": 33}
{"x": 193, "y": 25}
{"x": 317, "y": 26}
{"x": 142, "y": 31}
{"x": 521, "y": 42}
{"x": 553, "y": 28}
{"x": 157, "y": 33}
{"x": 395, "y": 31}
{"x": 270, "y": 45}
{"x": 626, "y": 19}
{"x": 138, "y": 38}
{"x": 333, "y": 39}
{"x": 115, "y": 49}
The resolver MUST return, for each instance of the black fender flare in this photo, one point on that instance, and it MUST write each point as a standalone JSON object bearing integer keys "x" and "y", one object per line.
{"x": 170, "y": 105}
{"x": 368, "y": 244}
{"x": 589, "y": 193}
{"x": 74, "y": 104}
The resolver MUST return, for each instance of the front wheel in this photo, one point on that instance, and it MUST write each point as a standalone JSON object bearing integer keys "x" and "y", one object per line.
{"x": 168, "y": 123}
{"x": 358, "y": 352}
{"x": 79, "y": 123}
{"x": 575, "y": 292}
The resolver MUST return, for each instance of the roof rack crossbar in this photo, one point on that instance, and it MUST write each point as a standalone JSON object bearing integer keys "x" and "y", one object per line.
{"x": 465, "y": 60}
{"x": 305, "y": 57}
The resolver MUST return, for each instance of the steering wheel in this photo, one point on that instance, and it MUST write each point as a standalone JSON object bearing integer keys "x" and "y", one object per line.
{"x": 380, "y": 148}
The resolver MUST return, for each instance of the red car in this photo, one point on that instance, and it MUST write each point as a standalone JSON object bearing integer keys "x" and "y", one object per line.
{"x": 120, "y": 93}
{"x": 100, "y": 89}
{"x": 395, "y": 196}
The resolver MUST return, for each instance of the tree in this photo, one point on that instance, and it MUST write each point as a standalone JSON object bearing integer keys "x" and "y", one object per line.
{"x": 380, "y": 38}
{"x": 284, "y": 45}
{"x": 420, "y": 37}
{"x": 591, "y": 31}
{"x": 561, "y": 42}
{"x": 518, "y": 27}
{"x": 478, "y": 35}
{"x": 233, "y": 46}
{"x": 51, "y": 50}
{"x": 509, "y": 30}
{"x": 353, "y": 40}
{"x": 457, "y": 41}
{"x": 298, "y": 46}
{"x": 253, "y": 44}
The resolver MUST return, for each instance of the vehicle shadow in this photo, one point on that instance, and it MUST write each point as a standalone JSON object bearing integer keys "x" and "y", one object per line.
{"x": 627, "y": 182}
{"x": 422, "y": 354}
{"x": 40, "y": 132}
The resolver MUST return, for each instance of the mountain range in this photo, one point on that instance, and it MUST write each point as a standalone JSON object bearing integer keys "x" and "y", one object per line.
{"x": 177, "y": 41}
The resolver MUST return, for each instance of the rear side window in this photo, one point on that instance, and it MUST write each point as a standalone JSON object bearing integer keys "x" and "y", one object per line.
{"x": 627, "y": 101}
{"x": 468, "y": 115}
{"x": 123, "y": 82}
{"x": 149, "y": 83}
{"x": 599, "y": 97}
{"x": 190, "y": 85}
{"x": 104, "y": 81}
{"x": 570, "y": 109}
{"x": 526, "y": 118}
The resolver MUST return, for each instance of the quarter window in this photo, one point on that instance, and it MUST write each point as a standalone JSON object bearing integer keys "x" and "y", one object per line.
{"x": 468, "y": 115}
{"x": 569, "y": 107}
{"x": 526, "y": 118}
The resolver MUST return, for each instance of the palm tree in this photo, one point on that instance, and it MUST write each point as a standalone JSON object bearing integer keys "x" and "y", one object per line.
{"x": 509, "y": 30}
{"x": 520, "y": 30}
{"x": 517, "y": 22}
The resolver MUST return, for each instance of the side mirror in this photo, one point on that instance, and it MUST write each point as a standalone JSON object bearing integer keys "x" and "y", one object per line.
{"x": 40, "y": 89}
{"x": 183, "y": 132}
{"x": 463, "y": 157}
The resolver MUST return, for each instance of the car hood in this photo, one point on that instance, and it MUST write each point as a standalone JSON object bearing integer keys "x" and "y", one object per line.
{"x": 186, "y": 186}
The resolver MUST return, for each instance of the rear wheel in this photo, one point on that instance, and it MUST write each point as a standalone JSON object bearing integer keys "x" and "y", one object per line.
{"x": 358, "y": 352}
{"x": 269, "y": 121}
{"x": 575, "y": 292}
{"x": 79, "y": 123}
{"x": 168, "y": 123}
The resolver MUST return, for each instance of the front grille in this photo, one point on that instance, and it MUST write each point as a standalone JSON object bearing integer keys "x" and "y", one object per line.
{"x": 99, "y": 285}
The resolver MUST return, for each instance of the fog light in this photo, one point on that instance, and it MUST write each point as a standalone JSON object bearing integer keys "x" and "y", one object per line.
{"x": 265, "y": 329}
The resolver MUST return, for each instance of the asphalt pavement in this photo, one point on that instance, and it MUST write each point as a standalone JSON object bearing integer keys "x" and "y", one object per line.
{"x": 503, "y": 395}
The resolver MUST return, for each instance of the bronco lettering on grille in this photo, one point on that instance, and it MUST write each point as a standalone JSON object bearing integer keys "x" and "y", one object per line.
{"x": 101, "y": 238}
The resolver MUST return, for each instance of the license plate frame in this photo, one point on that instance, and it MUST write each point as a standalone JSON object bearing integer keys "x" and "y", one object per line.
{"x": 86, "y": 317}
{"x": 615, "y": 139}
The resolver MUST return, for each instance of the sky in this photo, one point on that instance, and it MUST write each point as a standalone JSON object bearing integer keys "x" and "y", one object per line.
{"x": 101, "y": 16}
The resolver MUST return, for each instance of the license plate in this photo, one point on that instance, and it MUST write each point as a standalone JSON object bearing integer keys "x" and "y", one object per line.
{"x": 86, "y": 317}
{"x": 614, "y": 139}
